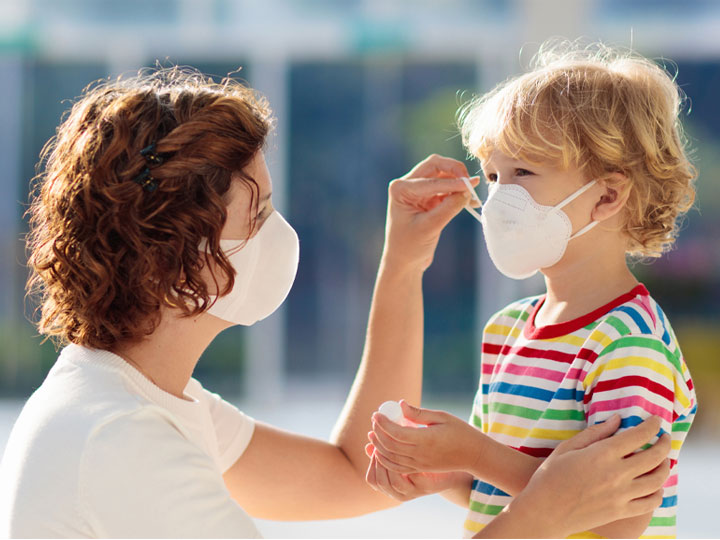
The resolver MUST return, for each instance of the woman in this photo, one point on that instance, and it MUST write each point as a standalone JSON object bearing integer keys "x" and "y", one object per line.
{"x": 152, "y": 231}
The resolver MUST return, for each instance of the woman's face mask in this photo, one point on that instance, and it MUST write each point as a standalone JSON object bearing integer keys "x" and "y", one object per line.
{"x": 265, "y": 268}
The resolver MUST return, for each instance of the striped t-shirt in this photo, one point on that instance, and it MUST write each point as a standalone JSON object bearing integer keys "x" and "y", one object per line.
{"x": 540, "y": 386}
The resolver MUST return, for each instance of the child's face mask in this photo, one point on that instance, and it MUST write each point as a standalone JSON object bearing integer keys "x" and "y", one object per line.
{"x": 265, "y": 270}
{"x": 521, "y": 235}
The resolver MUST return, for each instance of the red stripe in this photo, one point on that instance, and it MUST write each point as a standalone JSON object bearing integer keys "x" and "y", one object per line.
{"x": 528, "y": 352}
{"x": 535, "y": 452}
{"x": 631, "y": 380}
{"x": 530, "y": 331}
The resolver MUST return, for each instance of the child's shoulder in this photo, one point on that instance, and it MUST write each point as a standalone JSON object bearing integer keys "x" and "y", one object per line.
{"x": 519, "y": 310}
{"x": 638, "y": 315}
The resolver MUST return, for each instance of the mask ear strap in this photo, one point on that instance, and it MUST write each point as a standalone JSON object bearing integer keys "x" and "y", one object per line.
{"x": 474, "y": 195}
{"x": 576, "y": 194}
{"x": 585, "y": 229}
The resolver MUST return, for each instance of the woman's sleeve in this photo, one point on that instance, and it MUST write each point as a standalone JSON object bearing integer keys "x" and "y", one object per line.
{"x": 233, "y": 428}
{"x": 140, "y": 477}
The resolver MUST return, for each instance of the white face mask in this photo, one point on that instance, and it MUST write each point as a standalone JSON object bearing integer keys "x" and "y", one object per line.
{"x": 265, "y": 271}
{"x": 523, "y": 236}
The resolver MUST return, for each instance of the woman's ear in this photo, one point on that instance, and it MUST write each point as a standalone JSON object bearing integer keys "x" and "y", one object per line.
{"x": 616, "y": 190}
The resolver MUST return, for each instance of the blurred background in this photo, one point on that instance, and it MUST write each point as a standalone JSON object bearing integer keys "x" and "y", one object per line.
{"x": 362, "y": 90}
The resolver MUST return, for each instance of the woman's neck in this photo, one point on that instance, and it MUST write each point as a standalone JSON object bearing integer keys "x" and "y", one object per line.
{"x": 169, "y": 355}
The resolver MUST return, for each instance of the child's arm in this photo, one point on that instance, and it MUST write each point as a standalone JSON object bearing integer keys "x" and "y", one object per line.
{"x": 555, "y": 504}
{"x": 448, "y": 444}
{"x": 636, "y": 377}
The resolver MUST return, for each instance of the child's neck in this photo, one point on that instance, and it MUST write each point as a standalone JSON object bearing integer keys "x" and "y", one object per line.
{"x": 577, "y": 289}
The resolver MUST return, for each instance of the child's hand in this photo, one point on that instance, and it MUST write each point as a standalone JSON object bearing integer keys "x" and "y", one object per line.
{"x": 405, "y": 487}
{"x": 446, "y": 444}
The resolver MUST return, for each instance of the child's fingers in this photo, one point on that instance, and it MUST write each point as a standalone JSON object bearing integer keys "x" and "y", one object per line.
{"x": 406, "y": 435}
{"x": 402, "y": 461}
{"x": 392, "y": 466}
{"x": 422, "y": 416}
{"x": 389, "y": 464}
{"x": 369, "y": 449}
{"x": 370, "y": 475}
{"x": 392, "y": 445}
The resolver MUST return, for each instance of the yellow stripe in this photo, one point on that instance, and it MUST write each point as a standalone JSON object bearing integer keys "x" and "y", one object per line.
{"x": 502, "y": 330}
{"x": 474, "y": 526}
{"x": 569, "y": 339}
{"x": 586, "y": 534}
{"x": 535, "y": 433}
{"x": 627, "y": 361}
{"x": 600, "y": 337}
{"x": 676, "y": 444}
{"x": 680, "y": 396}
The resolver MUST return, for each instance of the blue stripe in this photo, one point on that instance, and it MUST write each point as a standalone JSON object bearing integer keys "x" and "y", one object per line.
{"x": 572, "y": 394}
{"x": 632, "y": 421}
{"x": 521, "y": 390}
{"x": 685, "y": 416}
{"x": 487, "y": 489}
{"x": 669, "y": 501}
{"x": 636, "y": 317}
{"x": 666, "y": 336}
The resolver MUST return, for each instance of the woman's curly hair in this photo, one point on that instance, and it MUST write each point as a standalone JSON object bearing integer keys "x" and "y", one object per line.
{"x": 601, "y": 110}
{"x": 106, "y": 254}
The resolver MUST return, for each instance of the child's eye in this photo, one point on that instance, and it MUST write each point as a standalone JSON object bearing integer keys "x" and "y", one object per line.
{"x": 523, "y": 172}
{"x": 492, "y": 177}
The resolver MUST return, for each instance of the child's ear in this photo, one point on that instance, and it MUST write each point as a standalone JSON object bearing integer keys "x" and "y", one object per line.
{"x": 616, "y": 190}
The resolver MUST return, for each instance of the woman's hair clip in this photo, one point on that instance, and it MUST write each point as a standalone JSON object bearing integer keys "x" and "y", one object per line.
{"x": 152, "y": 158}
{"x": 146, "y": 180}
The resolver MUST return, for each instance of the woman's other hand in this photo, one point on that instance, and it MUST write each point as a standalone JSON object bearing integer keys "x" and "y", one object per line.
{"x": 420, "y": 205}
{"x": 584, "y": 485}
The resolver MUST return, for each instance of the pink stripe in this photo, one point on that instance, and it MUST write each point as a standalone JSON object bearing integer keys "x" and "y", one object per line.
{"x": 671, "y": 481}
{"x": 576, "y": 374}
{"x": 626, "y": 403}
{"x": 645, "y": 304}
{"x": 538, "y": 373}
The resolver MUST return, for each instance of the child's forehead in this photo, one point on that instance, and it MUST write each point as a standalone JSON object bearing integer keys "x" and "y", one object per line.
{"x": 496, "y": 157}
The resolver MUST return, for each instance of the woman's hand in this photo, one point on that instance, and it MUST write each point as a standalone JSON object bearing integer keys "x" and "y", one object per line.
{"x": 405, "y": 487}
{"x": 584, "y": 485}
{"x": 420, "y": 205}
{"x": 446, "y": 444}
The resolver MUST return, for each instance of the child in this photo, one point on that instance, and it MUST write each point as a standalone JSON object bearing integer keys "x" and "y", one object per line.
{"x": 586, "y": 164}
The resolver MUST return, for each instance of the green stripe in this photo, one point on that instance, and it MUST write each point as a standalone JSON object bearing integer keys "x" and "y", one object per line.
{"x": 643, "y": 343}
{"x": 618, "y": 325}
{"x": 663, "y": 521}
{"x": 487, "y": 509}
{"x": 476, "y": 421}
{"x": 646, "y": 446}
{"x": 564, "y": 414}
{"x": 534, "y": 414}
{"x": 516, "y": 314}
{"x": 516, "y": 410}
{"x": 485, "y": 408}
{"x": 681, "y": 426}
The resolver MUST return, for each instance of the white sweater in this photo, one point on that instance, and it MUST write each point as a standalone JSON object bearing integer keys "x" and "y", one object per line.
{"x": 99, "y": 451}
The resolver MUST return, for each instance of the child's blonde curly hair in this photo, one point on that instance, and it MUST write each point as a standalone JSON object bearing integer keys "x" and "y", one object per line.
{"x": 603, "y": 111}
